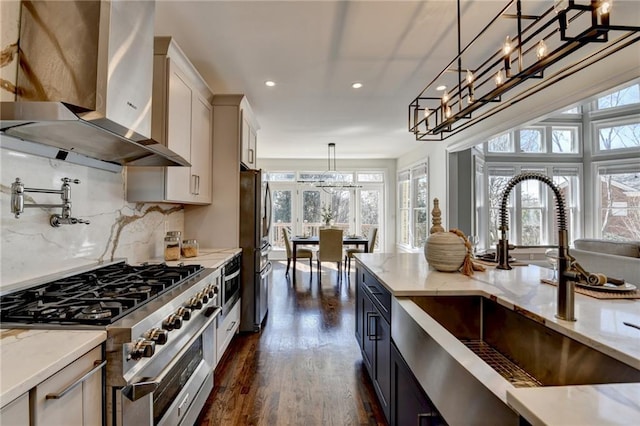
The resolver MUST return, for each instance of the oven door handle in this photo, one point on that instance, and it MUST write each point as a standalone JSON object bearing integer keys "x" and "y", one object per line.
{"x": 232, "y": 276}
{"x": 135, "y": 391}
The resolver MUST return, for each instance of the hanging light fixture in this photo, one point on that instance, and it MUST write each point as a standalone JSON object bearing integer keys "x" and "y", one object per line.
{"x": 538, "y": 42}
{"x": 331, "y": 180}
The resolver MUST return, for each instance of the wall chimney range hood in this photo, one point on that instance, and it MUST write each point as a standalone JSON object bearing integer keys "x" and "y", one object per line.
{"x": 84, "y": 83}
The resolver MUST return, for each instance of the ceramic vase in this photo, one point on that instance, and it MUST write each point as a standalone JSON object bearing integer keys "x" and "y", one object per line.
{"x": 445, "y": 251}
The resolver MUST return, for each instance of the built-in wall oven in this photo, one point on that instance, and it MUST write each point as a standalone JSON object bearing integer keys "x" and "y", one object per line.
{"x": 231, "y": 284}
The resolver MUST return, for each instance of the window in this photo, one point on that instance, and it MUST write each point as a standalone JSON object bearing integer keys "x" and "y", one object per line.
{"x": 627, "y": 96}
{"x": 370, "y": 177}
{"x": 611, "y": 126}
{"x": 502, "y": 143}
{"x": 620, "y": 136}
{"x": 619, "y": 201}
{"x": 420, "y": 205}
{"x": 280, "y": 176}
{"x": 556, "y": 139}
{"x": 531, "y": 140}
{"x": 413, "y": 202}
{"x": 404, "y": 203}
{"x": 532, "y": 217}
{"x": 564, "y": 140}
{"x": 297, "y": 203}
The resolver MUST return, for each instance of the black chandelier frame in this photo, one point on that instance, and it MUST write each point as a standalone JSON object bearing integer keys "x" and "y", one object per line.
{"x": 437, "y": 118}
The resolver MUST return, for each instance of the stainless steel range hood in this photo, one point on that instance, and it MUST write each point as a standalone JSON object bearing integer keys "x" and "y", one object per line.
{"x": 84, "y": 82}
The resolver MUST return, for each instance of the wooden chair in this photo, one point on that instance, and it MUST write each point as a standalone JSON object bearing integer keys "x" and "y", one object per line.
{"x": 301, "y": 253}
{"x": 330, "y": 248}
{"x": 373, "y": 234}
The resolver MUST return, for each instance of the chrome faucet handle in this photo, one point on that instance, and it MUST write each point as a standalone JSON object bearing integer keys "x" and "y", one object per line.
{"x": 17, "y": 198}
{"x": 56, "y": 220}
{"x": 69, "y": 180}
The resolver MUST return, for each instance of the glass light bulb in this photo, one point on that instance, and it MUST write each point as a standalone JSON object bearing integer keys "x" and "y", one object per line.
{"x": 447, "y": 111}
{"x": 445, "y": 97}
{"x": 507, "y": 47}
{"x": 499, "y": 79}
{"x": 560, "y": 5}
{"x": 605, "y": 7}
{"x": 470, "y": 77}
{"x": 541, "y": 50}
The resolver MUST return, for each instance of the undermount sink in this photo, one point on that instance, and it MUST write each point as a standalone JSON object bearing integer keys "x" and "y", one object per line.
{"x": 522, "y": 350}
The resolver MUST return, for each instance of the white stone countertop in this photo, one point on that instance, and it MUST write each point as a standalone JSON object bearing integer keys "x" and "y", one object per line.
{"x": 599, "y": 325}
{"x": 28, "y": 357}
{"x": 207, "y": 257}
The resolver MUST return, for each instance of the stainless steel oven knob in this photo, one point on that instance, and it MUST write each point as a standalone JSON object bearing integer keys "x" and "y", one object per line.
{"x": 194, "y": 303}
{"x": 157, "y": 335}
{"x": 142, "y": 348}
{"x": 184, "y": 313}
{"x": 202, "y": 295}
{"x": 172, "y": 322}
{"x": 211, "y": 291}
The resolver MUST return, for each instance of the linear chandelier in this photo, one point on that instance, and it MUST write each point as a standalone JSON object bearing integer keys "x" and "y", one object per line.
{"x": 331, "y": 179}
{"x": 481, "y": 89}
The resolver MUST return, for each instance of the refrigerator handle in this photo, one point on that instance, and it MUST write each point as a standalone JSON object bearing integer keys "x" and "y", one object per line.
{"x": 267, "y": 208}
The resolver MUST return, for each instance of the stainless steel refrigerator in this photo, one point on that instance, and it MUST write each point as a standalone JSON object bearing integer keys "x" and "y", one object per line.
{"x": 255, "y": 224}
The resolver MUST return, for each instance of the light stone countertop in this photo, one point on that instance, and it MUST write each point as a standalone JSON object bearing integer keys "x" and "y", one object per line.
{"x": 207, "y": 257}
{"x": 599, "y": 325}
{"x": 28, "y": 357}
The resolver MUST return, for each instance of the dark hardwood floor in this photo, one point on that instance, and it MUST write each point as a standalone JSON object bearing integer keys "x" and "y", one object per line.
{"x": 304, "y": 367}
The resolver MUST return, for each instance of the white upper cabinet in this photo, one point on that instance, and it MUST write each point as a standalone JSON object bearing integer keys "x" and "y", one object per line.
{"x": 249, "y": 138}
{"x": 182, "y": 121}
{"x": 234, "y": 129}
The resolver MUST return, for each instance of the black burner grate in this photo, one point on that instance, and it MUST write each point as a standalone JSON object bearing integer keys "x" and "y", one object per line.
{"x": 98, "y": 297}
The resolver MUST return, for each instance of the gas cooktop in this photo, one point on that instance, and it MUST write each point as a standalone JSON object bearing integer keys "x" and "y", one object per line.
{"x": 98, "y": 297}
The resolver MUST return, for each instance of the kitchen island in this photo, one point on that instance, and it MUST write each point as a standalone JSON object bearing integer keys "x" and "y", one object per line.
{"x": 599, "y": 326}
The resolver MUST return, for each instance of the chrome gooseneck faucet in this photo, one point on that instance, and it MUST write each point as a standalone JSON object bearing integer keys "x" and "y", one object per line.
{"x": 568, "y": 270}
{"x": 18, "y": 205}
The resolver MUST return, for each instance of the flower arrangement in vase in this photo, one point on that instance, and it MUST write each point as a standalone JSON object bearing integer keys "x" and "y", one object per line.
{"x": 327, "y": 215}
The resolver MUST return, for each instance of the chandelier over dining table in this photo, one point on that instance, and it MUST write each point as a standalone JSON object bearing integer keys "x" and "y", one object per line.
{"x": 484, "y": 87}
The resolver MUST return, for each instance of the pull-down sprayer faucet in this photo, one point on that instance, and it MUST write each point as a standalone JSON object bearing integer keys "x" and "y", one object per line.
{"x": 566, "y": 273}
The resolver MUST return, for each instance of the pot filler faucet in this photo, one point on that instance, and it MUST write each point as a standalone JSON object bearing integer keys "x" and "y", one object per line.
{"x": 18, "y": 205}
{"x": 569, "y": 270}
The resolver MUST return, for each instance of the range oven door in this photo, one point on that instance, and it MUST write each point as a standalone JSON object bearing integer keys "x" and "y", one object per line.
{"x": 175, "y": 393}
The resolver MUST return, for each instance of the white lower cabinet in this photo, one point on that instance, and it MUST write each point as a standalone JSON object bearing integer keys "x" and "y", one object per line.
{"x": 16, "y": 413}
{"x": 72, "y": 396}
{"x": 226, "y": 329}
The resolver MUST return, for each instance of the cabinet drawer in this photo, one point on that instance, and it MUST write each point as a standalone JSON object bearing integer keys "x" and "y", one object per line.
{"x": 227, "y": 328}
{"x": 16, "y": 413}
{"x": 74, "y": 405}
{"x": 380, "y": 296}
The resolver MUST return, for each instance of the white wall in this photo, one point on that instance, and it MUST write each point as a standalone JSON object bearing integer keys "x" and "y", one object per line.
{"x": 435, "y": 154}
{"x": 30, "y": 247}
{"x": 389, "y": 166}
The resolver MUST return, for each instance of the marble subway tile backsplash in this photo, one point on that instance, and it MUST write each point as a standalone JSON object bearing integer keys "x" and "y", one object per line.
{"x": 30, "y": 247}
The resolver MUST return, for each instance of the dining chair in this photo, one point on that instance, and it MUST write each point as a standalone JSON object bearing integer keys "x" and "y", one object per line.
{"x": 330, "y": 248}
{"x": 301, "y": 253}
{"x": 373, "y": 234}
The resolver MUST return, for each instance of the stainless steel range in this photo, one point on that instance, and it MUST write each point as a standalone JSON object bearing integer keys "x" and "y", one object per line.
{"x": 160, "y": 323}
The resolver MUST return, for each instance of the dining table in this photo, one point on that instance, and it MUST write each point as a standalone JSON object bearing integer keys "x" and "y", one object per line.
{"x": 315, "y": 240}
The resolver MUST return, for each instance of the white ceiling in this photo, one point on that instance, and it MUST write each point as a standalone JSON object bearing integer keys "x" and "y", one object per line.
{"x": 314, "y": 51}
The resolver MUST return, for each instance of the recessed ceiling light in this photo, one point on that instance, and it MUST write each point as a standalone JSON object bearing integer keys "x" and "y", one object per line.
{"x": 356, "y": 85}
{"x": 270, "y": 83}
{"x": 441, "y": 88}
